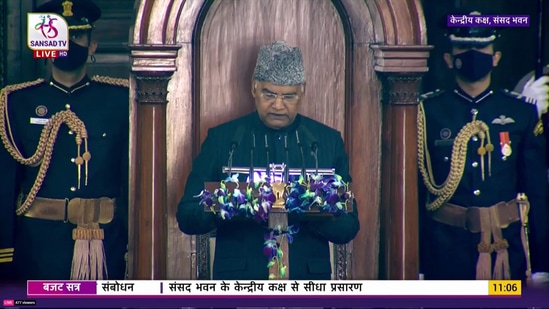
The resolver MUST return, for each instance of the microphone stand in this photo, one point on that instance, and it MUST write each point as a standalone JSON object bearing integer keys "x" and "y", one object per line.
{"x": 268, "y": 167}
{"x": 314, "y": 153}
{"x": 252, "y": 176}
{"x": 303, "y": 171}
{"x": 287, "y": 165}
{"x": 230, "y": 161}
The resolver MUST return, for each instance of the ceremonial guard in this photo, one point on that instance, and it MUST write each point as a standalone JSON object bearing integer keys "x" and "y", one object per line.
{"x": 481, "y": 154}
{"x": 63, "y": 211}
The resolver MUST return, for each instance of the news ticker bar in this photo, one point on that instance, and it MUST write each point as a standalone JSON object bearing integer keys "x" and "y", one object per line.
{"x": 488, "y": 21}
{"x": 242, "y": 288}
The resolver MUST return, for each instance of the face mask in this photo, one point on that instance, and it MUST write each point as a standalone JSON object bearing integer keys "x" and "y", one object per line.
{"x": 473, "y": 65}
{"x": 76, "y": 57}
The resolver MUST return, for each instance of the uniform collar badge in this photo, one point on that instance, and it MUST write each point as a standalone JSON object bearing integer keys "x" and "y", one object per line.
{"x": 503, "y": 120}
{"x": 41, "y": 111}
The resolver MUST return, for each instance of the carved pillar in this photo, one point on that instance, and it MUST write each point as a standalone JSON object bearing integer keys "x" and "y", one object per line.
{"x": 401, "y": 69}
{"x": 152, "y": 67}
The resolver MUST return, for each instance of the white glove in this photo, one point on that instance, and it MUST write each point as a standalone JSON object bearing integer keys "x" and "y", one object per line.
{"x": 538, "y": 90}
{"x": 540, "y": 279}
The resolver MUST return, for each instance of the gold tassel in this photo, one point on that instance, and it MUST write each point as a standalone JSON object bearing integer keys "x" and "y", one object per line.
{"x": 87, "y": 157}
{"x": 89, "y": 262}
{"x": 481, "y": 152}
{"x": 489, "y": 148}
{"x": 484, "y": 263}
{"x": 502, "y": 271}
{"x": 79, "y": 165}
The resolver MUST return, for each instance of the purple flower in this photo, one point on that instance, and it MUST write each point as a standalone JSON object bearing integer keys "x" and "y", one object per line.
{"x": 270, "y": 249}
{"x": 293, "y": 205}
{"x": 315, "y": 186}
{"x": 239, "y": 197}
{"x": 290, "y": 232}
{"x": 262, "y": 211}
{"x": 266, "y": 194}
{"x": 332, "y": 197}
{"x": 220, "y": 192}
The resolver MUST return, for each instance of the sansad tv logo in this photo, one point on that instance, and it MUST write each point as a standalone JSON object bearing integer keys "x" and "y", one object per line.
{"x": 47, "y": 35}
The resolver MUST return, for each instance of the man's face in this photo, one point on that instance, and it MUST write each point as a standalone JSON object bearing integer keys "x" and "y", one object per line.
{"x": 277, "y": 105}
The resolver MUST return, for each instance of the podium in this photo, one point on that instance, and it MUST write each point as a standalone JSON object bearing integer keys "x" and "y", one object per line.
{"x": 278, "y": 215}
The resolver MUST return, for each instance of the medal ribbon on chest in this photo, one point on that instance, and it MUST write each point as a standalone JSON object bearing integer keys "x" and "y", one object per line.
{"x": 505, "y": 144}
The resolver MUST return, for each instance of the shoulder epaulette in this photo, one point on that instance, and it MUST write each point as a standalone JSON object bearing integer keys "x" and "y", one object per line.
{"x": 518, "y": 96}
{"x": 16, "y": 87}
{"x": 430, "y": 95}
{"x": 123, "y": 82}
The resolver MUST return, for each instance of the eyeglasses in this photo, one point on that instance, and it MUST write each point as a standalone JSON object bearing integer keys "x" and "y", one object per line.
{"x": 270, "y": 97}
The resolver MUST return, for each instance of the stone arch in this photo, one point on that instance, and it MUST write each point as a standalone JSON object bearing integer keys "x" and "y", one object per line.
{"x": 386, "y": 36}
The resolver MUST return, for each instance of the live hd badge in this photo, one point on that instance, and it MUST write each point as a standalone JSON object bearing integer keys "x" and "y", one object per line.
{"x": 47, "y": 35}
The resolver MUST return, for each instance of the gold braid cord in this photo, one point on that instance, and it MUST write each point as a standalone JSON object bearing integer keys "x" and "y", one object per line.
{"x": 445, "y": 191}
{"x": 111, "y": 81}
{"x": 44, "y": 149}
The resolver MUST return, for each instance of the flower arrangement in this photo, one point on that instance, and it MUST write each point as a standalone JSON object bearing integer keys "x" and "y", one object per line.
{"x": 326, "y": 193}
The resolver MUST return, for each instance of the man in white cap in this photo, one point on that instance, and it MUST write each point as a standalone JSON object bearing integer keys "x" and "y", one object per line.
{"x": 274, "y": 129}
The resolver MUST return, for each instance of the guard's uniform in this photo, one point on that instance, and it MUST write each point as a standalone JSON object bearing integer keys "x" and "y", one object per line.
{"x": 43, "y": 236}
{"x": 451, "y": 237}
{"x": 63, "y": 212}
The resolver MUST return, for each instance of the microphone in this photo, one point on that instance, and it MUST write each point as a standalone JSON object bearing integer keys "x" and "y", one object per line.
{"x": 287, "y": 165}
{"x": 235, "y": 141}
{"x": 303, "y": 171}
{"x": 252, "y": 176}
{"x": 314, "y": 145}
{"x": 268, "y": 167}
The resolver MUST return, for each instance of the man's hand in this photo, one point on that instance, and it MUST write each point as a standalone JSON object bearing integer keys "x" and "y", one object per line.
{"x": 538, "y": 90}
